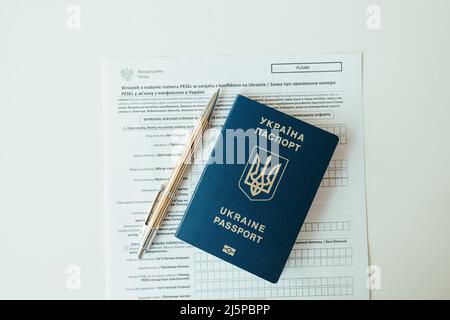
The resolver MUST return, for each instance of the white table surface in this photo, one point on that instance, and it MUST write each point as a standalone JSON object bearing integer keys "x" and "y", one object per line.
{"x": 51, "y": 150}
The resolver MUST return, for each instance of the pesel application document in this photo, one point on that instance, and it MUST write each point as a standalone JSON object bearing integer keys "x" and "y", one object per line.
{"x": 151, "y": 105}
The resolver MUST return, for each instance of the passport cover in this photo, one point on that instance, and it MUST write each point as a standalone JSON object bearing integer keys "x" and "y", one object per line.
{"x": 249, "y": 213}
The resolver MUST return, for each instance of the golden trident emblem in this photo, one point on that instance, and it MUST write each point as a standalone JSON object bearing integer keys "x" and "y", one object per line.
{"x": 257, "y": 179}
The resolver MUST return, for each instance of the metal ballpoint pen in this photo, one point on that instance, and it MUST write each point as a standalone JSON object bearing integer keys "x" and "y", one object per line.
{"x": 167, "y": 192}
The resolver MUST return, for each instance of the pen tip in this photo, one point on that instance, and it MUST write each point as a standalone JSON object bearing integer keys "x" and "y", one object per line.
{"x": 207, "y": 112}
{"x": 141, "y": 253}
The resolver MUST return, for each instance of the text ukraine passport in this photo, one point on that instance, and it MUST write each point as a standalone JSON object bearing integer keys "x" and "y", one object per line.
{"x": 257, "y": 188}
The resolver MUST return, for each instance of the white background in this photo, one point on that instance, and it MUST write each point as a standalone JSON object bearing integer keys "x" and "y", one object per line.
{"x": 51, "y": 123}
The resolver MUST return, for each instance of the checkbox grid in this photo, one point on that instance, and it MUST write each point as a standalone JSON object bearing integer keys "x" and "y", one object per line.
{"x": 336, "y": 174}
{"x": 326, "y": 226}
{"x": 340, "y": 130}
{"x": 318, "y": 257}
{"x": 215, "y": 279}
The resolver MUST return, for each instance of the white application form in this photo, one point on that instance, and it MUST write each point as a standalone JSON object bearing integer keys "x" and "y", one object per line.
{"x": 151, "y": 104}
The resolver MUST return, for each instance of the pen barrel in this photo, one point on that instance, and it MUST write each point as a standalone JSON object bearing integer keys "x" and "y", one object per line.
{"x": 172, "y": 185}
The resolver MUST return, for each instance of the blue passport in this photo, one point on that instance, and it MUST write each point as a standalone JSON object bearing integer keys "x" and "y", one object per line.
{"x": 257, "y": 187}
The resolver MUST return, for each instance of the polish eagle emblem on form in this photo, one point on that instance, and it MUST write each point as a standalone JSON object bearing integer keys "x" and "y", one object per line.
{"x": 126, "y": 74}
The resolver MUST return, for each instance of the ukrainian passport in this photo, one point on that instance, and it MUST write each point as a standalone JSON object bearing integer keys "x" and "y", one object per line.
{"x": 257, "y": 187}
